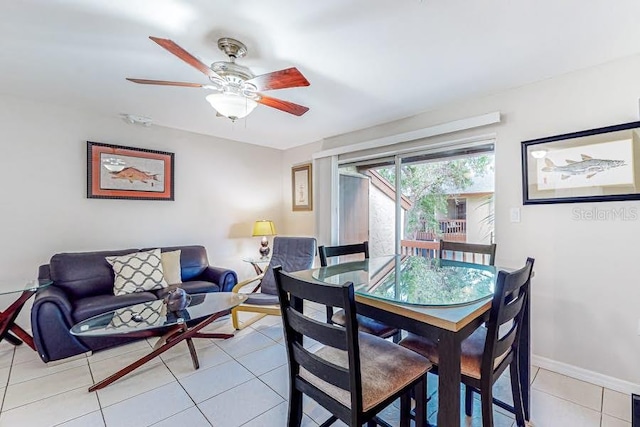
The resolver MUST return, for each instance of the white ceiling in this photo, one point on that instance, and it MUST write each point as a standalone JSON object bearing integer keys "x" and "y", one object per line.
{"x": 368, "y": 61}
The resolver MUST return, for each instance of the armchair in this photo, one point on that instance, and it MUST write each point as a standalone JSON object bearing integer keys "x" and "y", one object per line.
{"x": 293, "y": 254}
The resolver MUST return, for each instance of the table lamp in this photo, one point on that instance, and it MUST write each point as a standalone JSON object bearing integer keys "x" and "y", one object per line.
{"x": 264, "y": 228}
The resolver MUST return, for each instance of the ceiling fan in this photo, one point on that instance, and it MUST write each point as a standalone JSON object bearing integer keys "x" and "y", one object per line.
{"x": 236, "y": 90}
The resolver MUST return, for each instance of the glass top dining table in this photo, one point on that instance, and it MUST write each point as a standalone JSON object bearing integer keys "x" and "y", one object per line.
{"x": 443, "y": 300}
{"x": 414, "y": 280}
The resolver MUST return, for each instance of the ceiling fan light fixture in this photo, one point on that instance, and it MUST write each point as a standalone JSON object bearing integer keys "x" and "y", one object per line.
{"x": 231, "y": 106}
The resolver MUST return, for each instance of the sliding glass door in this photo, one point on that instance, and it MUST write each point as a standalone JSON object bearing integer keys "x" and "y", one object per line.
{"x": 439, "y": 195}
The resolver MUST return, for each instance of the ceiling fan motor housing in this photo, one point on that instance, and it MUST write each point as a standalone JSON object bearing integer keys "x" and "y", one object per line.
{"x": 235, "y": 77}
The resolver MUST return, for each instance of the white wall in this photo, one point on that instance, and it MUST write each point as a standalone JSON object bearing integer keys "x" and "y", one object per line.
{"x": 220, "y": 189}
{"x": 586, "y": 293}
{"x": 298, "y": 223}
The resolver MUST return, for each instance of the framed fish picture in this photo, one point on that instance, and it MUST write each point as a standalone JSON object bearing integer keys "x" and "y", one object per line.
{"x": 117, "y": 172}
{"x": 596, "y": 165}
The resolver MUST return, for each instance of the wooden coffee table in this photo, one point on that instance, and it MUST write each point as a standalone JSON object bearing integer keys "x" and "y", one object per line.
{"x": 153, "y": 319}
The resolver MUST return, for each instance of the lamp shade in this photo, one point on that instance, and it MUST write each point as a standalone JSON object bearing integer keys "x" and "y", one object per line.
{"x": 231, "y": 105}
{"x": 264, "y": 227}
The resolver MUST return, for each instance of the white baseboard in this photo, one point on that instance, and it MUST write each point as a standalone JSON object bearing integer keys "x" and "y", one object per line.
{"x": 586, "y": 375}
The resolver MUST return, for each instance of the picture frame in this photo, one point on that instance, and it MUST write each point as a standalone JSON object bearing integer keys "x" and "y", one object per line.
{"x": 596, "y": 165}
{"x": 301, "y": 188}
{"x": 119, "y": 172}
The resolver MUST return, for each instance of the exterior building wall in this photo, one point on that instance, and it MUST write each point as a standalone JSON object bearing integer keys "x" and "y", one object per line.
{"x": 479, "y": 230}
{"x": 381, "y": 223}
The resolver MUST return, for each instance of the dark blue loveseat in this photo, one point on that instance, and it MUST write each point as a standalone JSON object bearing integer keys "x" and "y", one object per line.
{"x": 83, "y": 287}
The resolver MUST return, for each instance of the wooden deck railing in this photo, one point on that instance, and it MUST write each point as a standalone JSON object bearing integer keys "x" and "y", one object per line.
{"x": 425, "y": 248}
{"x": 454, "y": 230}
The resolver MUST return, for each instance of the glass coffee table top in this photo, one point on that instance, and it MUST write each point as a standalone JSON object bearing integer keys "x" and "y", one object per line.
{"x": 34, "y": 285}
{"x": 154, "y": 315}
{"x": 257, "y": 260}
{"x": 414, "y": 280}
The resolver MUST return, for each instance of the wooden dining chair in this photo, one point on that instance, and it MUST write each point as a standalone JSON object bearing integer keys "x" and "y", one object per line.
{"x": 468, "y": 252}
{"x": 365, "y": 324}
{"x": 292, "y": 254}
{"x": 354, "y": 375}
{"x": 489, "y": 350}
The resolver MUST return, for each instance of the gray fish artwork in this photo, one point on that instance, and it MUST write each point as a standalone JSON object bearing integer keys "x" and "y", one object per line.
{"x": 587, "y": 166}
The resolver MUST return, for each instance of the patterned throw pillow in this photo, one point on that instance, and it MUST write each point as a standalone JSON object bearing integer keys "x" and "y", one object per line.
{"x": 137, "y": 272}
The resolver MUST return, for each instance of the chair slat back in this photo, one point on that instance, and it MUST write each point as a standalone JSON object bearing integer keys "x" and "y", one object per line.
{"x": 322, "y": 369}
{"x": 333, "y": 336}
{"x": 342, "y": 250}
{"x": 507, "y": 310}
{"x": 468, "y": 252}
{"x": 326, "y": 252}
{"x": 292, "y": 292}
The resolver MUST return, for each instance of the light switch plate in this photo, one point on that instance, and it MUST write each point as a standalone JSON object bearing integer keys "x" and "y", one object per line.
{"x": 515, "y": 214}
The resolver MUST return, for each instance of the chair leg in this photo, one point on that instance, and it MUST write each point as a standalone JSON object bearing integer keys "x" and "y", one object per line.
{"x": 486, "y": 396}
{"x": 468, "y": 400}
{"x": 295, "y": 408}
{"x": 234, "y": 319}
{"x": 421, "y": 402}
{"x": 516, "y": 393}
{"x": 405, "y": 409}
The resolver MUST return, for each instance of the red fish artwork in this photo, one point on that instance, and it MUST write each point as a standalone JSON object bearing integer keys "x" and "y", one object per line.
{"x": 133, "y": 174}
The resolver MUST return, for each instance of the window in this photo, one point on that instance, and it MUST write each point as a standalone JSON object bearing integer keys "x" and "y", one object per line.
{"x": 440, "y": 195}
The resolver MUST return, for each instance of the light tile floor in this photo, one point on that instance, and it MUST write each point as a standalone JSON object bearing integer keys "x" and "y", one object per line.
{"x": 241, "y": 382}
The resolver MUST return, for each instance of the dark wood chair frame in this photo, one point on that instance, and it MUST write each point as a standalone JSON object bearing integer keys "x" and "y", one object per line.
{"x": 293, "y": 292}
{"x": 508, "y": 306}
{"x": 468, "y": 248}
{"x": 334, "y": 251}
{"x": 342, "y": 250}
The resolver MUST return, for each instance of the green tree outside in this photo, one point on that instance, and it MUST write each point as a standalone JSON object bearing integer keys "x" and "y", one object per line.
{"x": 429, "y": 185}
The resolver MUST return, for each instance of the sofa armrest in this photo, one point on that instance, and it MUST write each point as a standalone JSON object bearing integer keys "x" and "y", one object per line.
{"x": 223, "y": 277}
{"x": 56, "y": 296}
{"x": 50, "y": 323}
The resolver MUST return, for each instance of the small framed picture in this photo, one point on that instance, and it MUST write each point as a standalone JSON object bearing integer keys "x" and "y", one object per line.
{"x": 596, "y": 165}
{"x": 301, "y": 188}
{"x": 117, "y": 172}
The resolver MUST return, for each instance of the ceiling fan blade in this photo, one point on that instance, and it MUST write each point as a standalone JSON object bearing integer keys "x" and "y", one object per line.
{"x": 185, "y": 56}
{"x": 163, "y": 83}
{"x": 286, "y": 106}
{"x": 282, "y": 79}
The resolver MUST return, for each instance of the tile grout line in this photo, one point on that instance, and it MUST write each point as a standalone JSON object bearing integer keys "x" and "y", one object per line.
{"x": 3, "y": 410}
{"x": 41, "y": 376}
{"x": 93, "y": 379}
{"x": 602, "y": 407}
{"x": 6, "y": 387}
{"x": 566, "y": 400}
{"x": 185, "y": 390}
{"x": 45, "y": 398}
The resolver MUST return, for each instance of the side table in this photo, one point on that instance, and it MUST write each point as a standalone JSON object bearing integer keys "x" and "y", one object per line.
{"x": 256, "y": 263}
{"x": 8, "y": 316}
